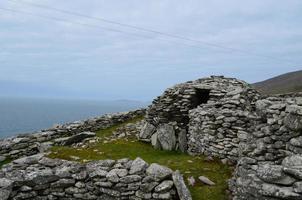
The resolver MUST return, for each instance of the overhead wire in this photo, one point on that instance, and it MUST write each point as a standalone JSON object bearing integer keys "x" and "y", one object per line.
{"x": 139, "y": 28}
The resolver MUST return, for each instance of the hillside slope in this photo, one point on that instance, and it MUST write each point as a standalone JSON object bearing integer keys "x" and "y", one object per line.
{"x": 285, "y": 83}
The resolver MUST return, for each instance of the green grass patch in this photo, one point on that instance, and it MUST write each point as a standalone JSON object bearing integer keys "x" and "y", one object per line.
{"x": 131, "y": 148}
{"x": 8, "y": 160}
{"x": 108, "y": 131}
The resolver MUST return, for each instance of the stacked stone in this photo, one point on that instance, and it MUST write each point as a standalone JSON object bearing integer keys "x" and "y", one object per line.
{"x": 270, "y": 164}
{"x": 218, "y": 127}
{"x": 206, "y": 114}
{"x": 267, "y": 180}
{"x": 30, "y": 144}
{"x": 276, "y": 132}
{"x": 41, "y": 178}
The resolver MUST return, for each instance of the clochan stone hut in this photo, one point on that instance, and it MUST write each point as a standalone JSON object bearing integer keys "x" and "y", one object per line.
{"x": 227, "y": 118}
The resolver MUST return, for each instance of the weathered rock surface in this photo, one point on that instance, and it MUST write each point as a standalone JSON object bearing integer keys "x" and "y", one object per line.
{"x": 38, "y": 177}
{"x": 159, "y": 172}
{"x": 78, "y": 138}
{"x": 182, "y": 190}
{"x": 206, "y": 180}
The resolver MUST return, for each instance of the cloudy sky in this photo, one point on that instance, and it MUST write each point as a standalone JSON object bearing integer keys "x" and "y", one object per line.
{"x": 47, "y": 53}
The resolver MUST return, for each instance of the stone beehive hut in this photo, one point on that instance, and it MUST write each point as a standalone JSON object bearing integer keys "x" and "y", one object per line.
{"x": 226, "y": 118}
{"x": 202, "y": 116}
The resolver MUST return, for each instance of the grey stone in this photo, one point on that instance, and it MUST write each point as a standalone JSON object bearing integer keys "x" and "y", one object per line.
{"x": 164, "y": 186}
{"x": 130, "y": 179}
{"x": 78, "y": 138}
{"x": 298, "y": 187}
{"x": 166, "y": 195}
{"x": 110, "y": 192}
{"x": 112, "y": 176}
{"x": 182, "y": 140}
{"x": 148, "y": 187}
{"x": 63, "y": 183}
{"x": 274, "y": 174}
{"x": 29, "y": 160}
{"x": 292, "y": 161}
{"x": 166, "y": 137}
{"x": 182, "y": 190}
{"x": 138, "y": 166}
{"x": 206, "y": 180}
{"x": 293, "y": 122}
{"x": 143, "y": 195}
{"x": 158, "y": 172}
{"x": 40, "y": 177}
{"x": 279, "y": 192}
{"x": 147, "y": 131}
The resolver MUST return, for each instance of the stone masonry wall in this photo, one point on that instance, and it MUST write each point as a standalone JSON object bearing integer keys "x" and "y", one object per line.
{"x": 202, "y": 116}
{"x": 270, "y": 164}
{"x": 262, "y": 134}
{"x": 30, "y": 144}
{"x": 41, "y": 178}
{"x": 218, "y": 127}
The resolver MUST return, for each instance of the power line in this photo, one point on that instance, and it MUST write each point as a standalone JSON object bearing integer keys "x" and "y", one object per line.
{"x": 94, "y": 26}
{"x": 63, "y": 20}
{"x": 230, "y": 49}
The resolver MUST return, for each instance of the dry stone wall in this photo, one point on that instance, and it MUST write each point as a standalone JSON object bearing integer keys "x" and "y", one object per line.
{"x": 33, "y": 143}
{"x": 41, "y": 178}
{"x": 270, "y": 164}
{"x": 218, "y": 127}
{"x": 201, "y": 117}
{"x": 226, "y": 118}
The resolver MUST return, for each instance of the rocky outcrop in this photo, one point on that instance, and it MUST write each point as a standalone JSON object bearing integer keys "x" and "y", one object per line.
{"x": 39, "y": 177}
{"x": 33, "y": 143}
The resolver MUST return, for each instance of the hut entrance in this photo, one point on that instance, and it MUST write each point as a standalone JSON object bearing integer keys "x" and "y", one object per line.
{"x": 201, "y": 97}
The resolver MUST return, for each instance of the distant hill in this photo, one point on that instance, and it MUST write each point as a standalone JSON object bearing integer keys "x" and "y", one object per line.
{"x": 285, "y": 83}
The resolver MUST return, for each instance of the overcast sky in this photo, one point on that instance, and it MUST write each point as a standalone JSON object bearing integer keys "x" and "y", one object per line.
{"x": 48, "y": 58}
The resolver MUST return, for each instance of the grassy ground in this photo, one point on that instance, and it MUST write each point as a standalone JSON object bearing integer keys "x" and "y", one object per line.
{"x": 188, "y": 165}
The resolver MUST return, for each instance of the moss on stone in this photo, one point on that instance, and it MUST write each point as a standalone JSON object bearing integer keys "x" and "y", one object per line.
{"x": 7, "y": 160}
{"x": 131, "y": 148}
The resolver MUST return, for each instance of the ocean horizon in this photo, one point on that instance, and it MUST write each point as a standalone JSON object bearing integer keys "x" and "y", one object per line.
{"x": 27, "y": 115}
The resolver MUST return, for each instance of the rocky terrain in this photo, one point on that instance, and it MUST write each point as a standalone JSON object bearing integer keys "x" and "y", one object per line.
{"x": 217, "y": 117}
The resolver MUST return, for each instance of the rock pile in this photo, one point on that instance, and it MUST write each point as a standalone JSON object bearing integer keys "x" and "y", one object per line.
{"x": 39, "y": 177}
{"x": 30, "y": 144}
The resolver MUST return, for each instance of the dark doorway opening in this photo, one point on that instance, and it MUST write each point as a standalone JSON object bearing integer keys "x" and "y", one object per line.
{"x": 201, "y": 97}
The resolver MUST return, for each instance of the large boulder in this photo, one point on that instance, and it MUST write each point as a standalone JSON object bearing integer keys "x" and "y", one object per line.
{"x": 166, "y": 137}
